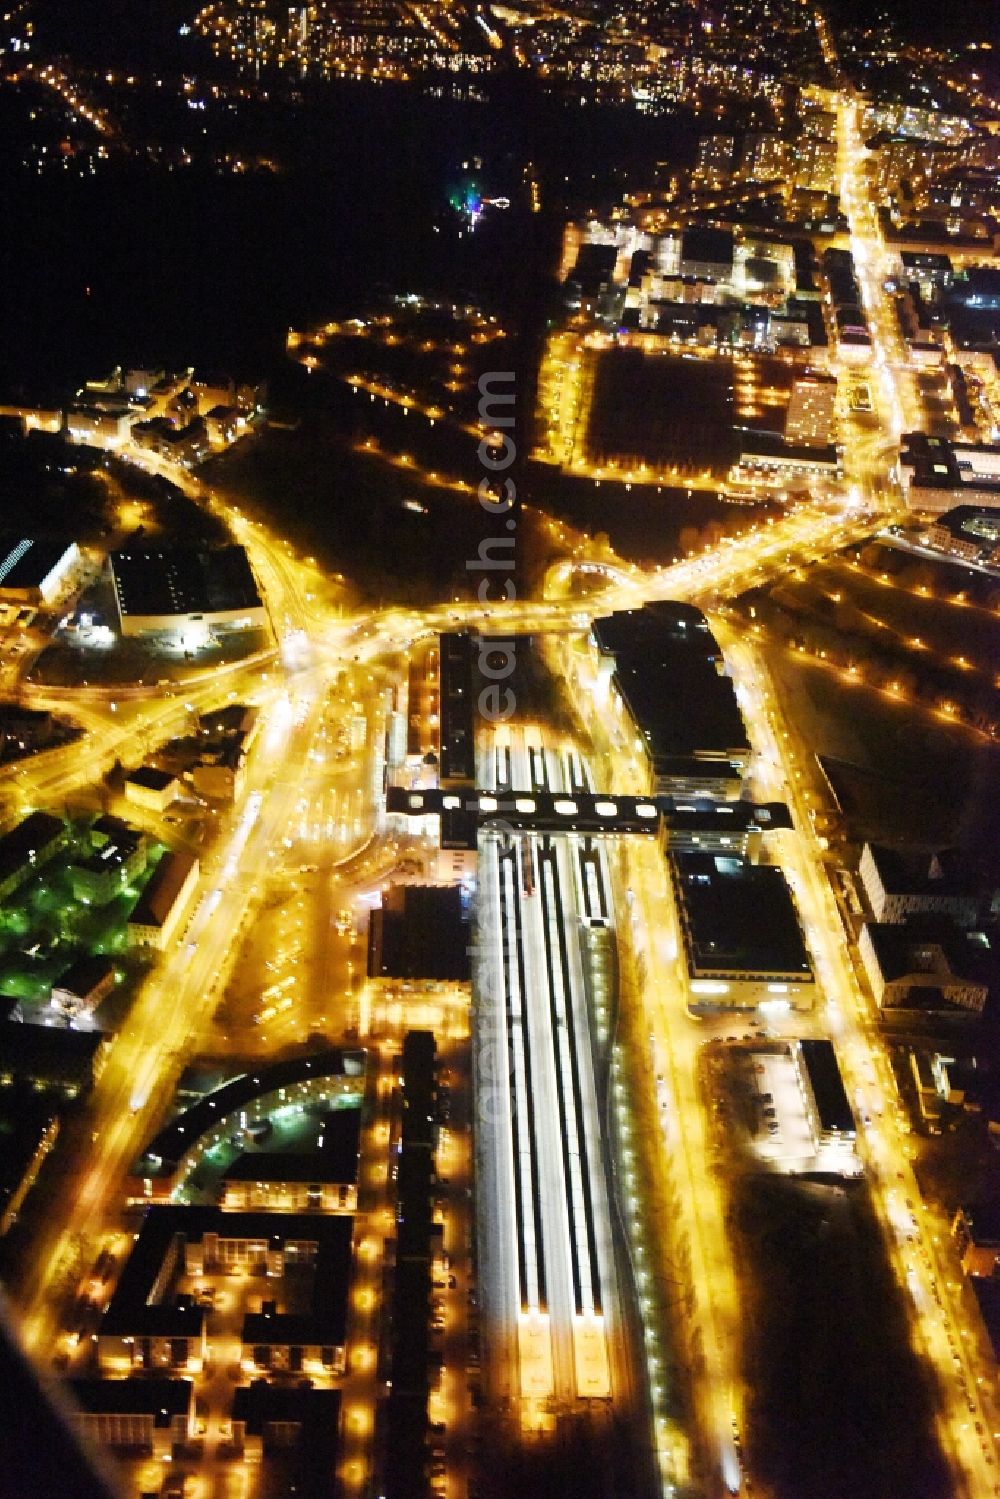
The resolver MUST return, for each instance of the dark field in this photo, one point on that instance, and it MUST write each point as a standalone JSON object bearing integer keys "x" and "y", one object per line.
{"x": 838, "y": 1407}
{"x": 904, "y": 773}
{"x": 663, "y": 409}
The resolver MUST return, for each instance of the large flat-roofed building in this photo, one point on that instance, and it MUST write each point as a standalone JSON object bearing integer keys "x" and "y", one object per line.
{"x": 146, "y": 1415}
{"x": 26, "y": 848}
{"x": 938, "y": 475}
{"x": 152, "y": 788}
{"x": 419, "y": 932}
{"x": 768, "y": 454}
{"x": 707, "y": 252}
{"x": 159, "y": 909}
{"x": 663, "y": 671}
{"x": 186, "y": 591}
{"x": 34, "y": 572}
{"x": 900, "y": 883}
{"x": 827, "y": 1105}
{"x": 457, "y": 759}
{"x": 925, "y": 964}
{"x": 405, "y": 1410}
{"x": 743, "y": 944}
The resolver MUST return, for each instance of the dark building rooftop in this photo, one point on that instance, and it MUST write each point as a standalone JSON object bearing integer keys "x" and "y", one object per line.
{"x": 911, "y": 872}
{"x": 165, "y": 884}
{"x": 702, "y": 243}
{"x": 420, "y": 932}
{"x": 26, "y": 563}
{"x": 185, "y": 580}
{"x": 738, "y": 917}
{"x": 25, "y": 1119}
{"x": 683, "y": 707}
{"x": 986, "y": 1290}
{"x": 134, "y": 1312}
{"x": 163, "y": 1399}
{"x": 832, "y": 1104}
{"x": 594, "y": 267}
{"x": 405, "y": 1414}
{"x": 85, "y": 975}
{"x": 24, "y": 844}
{"x": 937, "y": 463}
{"x": 659, "y": 625}
{"x": 457, "y": 709}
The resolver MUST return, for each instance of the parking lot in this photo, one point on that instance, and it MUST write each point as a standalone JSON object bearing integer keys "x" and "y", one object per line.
{"x": 784, "y": 1135}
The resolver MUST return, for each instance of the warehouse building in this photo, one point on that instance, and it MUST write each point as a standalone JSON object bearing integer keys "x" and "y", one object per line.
{"x": 186, "y": 592}
{"x": 419, "y": 932}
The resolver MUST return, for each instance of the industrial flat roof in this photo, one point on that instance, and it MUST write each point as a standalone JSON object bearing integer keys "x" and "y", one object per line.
{"x": 420, "y": 931}
{"x": 261, "y": 1403}
{"x": 457, "y": 732}
{"x": 48, "y": 1053}
{"x": 738, "y": 917}
{"x": 682, "y": 707}
{"x": 184, "y": 580}
{"x": 668, "y": 622}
